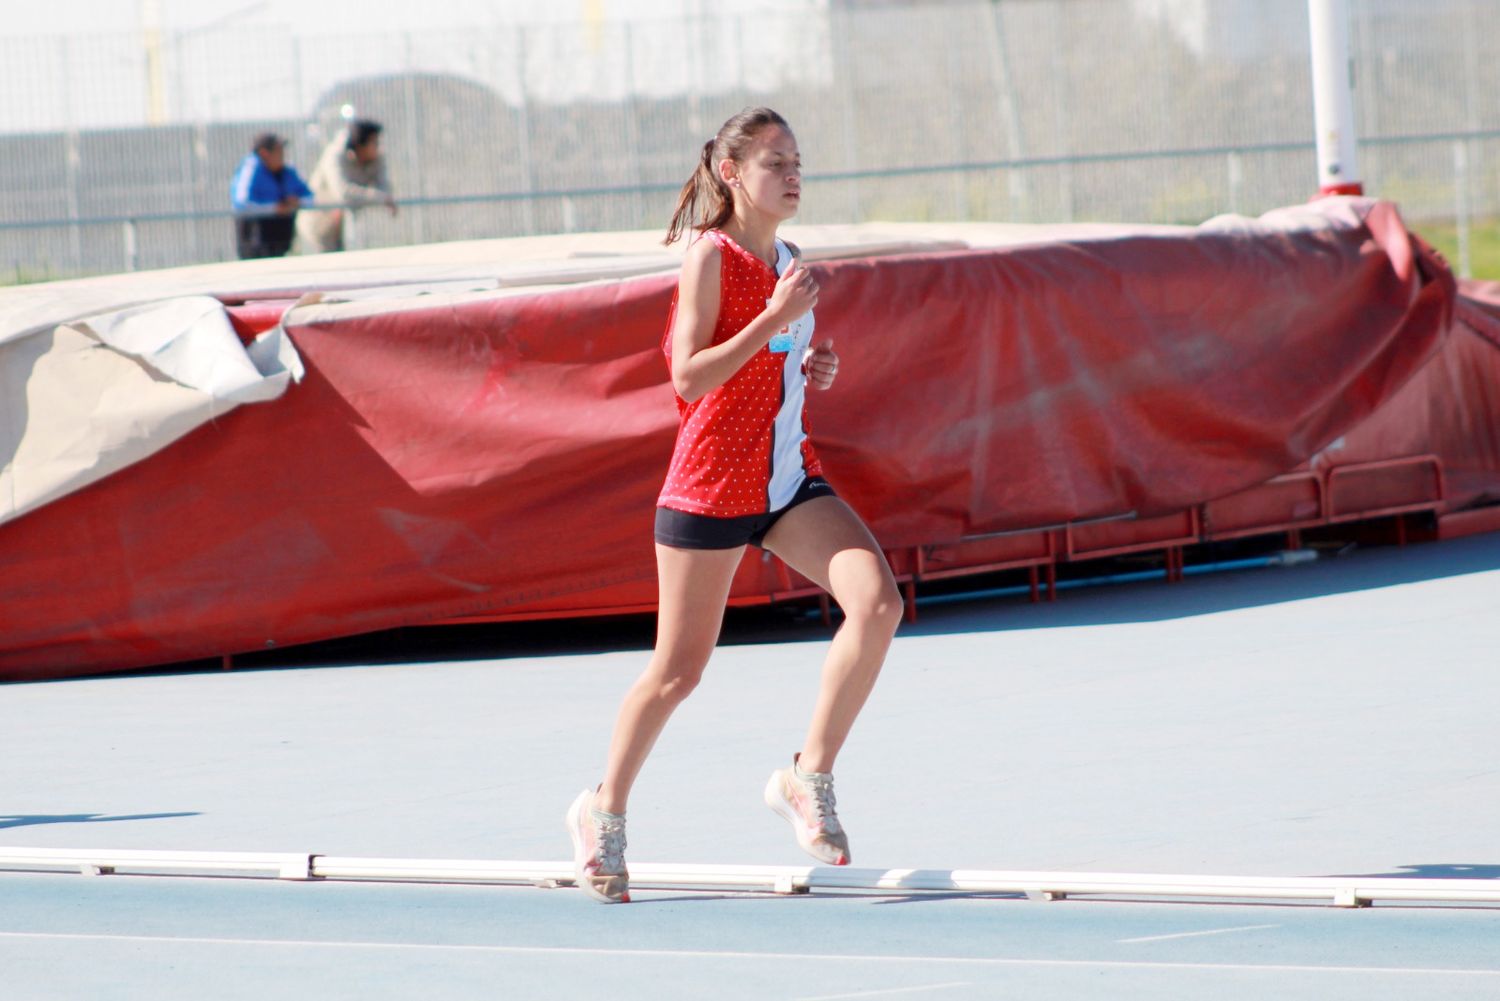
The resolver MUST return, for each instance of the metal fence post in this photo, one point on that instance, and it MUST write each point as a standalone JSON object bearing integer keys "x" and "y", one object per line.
{"x": 132, "y": 257}
{"x": 1461, "y": 205}
{"x": 523, "y": 122}
{"x": 1235, "y": 169}
{"x": 633, "y": 123}
{"x": 414, "y": 150}
{"x": 845, "y": 78}
{"x": 1015, "y": 178}
{"x": 960, "y": 146}
{"x": 74, "y": 161}
{"x": 1061, "y": 123}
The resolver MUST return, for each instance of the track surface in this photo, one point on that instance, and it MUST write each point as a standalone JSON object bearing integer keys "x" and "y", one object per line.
{"x": 1325, "y": 719}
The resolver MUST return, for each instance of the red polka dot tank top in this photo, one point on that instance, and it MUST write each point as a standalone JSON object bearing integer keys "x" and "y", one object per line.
{"x": 744, "y": 447}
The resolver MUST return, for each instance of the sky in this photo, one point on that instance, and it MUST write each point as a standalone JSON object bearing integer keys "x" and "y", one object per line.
{"x": 327, "y": 17}
{"x": 81, "y": 64}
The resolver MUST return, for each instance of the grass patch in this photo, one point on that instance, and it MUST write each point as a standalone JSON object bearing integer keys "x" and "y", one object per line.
{"x": 25, "y": 276}
{"x": 1484, "y": 245}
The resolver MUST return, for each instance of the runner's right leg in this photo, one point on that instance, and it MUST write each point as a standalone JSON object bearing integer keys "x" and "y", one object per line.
{"x": 693, "y": 589}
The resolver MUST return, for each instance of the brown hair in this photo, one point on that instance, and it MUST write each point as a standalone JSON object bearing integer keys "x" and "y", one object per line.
{"x": 705, "y": 201}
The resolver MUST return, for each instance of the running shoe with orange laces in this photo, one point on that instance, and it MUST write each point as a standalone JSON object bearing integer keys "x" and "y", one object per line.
{"x": 598, "y": 851}
{"x": 806, "y": 800}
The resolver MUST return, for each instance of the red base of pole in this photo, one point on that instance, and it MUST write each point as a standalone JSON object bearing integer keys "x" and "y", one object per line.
{"x": 1341, "y": 189}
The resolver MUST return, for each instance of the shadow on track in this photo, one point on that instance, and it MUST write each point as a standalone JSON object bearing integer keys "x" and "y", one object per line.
{"x": 1431, "y": 870}
{"x": 1143, "y": 601}
{"x": 1149, "y": 601}
{"x": 30, "y": 820}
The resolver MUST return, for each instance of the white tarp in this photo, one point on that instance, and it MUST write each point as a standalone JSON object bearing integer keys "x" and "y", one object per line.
{"x": 96, "y": 395}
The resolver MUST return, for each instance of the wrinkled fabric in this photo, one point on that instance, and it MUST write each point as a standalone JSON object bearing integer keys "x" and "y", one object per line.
{"x": 497, "y": 453}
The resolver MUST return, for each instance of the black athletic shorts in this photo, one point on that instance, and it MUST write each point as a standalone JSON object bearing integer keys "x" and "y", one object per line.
{"x": 700, "y": 531}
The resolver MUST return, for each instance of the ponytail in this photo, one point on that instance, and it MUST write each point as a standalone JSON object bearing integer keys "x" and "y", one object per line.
{"x": 705, "y": 201}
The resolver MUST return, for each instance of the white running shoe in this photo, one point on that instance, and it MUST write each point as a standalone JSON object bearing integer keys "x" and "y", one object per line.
{"x": 598, "y": 851}
{"x": 806, "y": 800}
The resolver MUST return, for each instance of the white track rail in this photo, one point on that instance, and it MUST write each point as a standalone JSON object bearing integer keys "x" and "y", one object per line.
{"x": 1342, "y": 891}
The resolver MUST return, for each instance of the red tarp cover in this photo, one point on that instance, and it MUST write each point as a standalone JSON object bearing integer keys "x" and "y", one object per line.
{"x": 502, "y": 453}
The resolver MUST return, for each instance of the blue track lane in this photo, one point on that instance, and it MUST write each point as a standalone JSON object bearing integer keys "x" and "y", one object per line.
{"x": 1333, "y": 718}
{"x": 65, "y": 936}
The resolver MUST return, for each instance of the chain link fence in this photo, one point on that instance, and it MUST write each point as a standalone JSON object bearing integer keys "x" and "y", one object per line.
{"x": 117, "y": 155}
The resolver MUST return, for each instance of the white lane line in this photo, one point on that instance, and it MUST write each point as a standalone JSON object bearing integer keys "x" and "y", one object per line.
{"x": 1194, "y": 934}
{"x": 888, "y": 990}
{"x": 559, "y": 950}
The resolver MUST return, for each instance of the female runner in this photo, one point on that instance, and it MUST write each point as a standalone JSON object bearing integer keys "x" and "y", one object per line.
{"x": 744, "y": 472}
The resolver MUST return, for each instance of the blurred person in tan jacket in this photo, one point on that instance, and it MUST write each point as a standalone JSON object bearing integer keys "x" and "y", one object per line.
{"x": 351, "y": 172}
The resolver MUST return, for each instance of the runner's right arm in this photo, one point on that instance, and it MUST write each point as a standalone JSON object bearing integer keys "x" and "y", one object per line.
{"x": 699, "y": 366}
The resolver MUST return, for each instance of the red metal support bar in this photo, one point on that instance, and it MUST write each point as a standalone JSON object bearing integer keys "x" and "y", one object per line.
{"x": 1207, "y": 532}
{"x": 1032, "y": 565}
{"x": 1174, "y": 564}
{"x": 1333, "y": 472}
{"x": 1188, "y": 538}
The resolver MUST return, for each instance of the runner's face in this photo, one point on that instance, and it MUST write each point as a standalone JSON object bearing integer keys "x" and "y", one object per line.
{"x": 770, "y": 176}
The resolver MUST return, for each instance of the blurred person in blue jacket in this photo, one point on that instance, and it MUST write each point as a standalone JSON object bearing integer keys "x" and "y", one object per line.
{"x": 266, "y": 194}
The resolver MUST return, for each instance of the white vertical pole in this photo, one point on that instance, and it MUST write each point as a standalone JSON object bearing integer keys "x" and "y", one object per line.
{"x": 1333, "y": 98}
